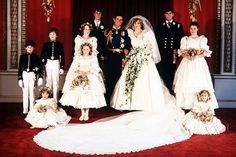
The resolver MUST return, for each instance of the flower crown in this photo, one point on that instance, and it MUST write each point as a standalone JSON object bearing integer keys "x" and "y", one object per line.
{"x": 45, "y": 89}
{"x": 85, "y": 24}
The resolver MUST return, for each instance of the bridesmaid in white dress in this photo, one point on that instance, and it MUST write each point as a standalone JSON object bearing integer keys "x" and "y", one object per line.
{"x": 193, "y": 73}
{"x": 85, "y": 28}
{"x": 79, "y": 40}
{"x": 46, "y": 113}
{"x": 140, "y": 86}
{"x": 201, "y": 119}
{"x": 85, "y": 90}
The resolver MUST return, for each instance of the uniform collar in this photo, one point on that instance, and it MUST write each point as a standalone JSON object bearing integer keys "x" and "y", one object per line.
{"x": 171, "y": 21}
{"x": 116, "y": 28}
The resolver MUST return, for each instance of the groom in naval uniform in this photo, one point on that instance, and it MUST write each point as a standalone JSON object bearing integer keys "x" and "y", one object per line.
{"x": 168, "y": 35}
{"x": 118, "y": 45}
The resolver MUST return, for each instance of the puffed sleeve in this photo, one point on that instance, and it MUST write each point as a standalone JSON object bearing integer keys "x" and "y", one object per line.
{"x": 78, "y": 42}
{"x": 183, "y": 45}
{"x": 94, "y": 45}
{"x": 204, "y": 46}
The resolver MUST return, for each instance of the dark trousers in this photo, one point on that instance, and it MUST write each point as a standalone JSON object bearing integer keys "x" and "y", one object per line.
{"x": 113, "y": 70}
{"x": 167, "y": 69}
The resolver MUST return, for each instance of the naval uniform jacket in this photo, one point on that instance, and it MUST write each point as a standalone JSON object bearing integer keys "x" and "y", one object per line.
{"x": 30, "y": 63}
{"x": 53, "y": 50}
{"x": 168, "y": 38}
{"x": 117, "y": 40}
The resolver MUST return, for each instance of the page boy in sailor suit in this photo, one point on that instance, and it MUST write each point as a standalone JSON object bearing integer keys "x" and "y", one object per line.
{"x": 52, "y": 56}
{"x": 29, "y": 67}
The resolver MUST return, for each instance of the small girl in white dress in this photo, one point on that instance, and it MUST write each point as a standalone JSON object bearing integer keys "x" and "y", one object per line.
{"x": 201, "y": 119}
{"x": 46, "y": 113}
{"x": 84, "y": 88}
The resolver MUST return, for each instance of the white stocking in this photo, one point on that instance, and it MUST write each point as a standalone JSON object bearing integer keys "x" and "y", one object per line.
{"x": 82, "y": 114}
{"x": 86, "y": 116}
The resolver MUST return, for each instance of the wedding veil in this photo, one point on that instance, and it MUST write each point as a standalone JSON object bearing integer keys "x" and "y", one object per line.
{"x": 147, "y": 27}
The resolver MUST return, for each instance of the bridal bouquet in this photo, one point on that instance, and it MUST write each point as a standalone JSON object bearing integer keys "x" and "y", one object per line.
{"x": 136, "y": 58}
{"x": 79, "y": 80}
{"x": 41, "y": 108}
{"x": 193, "y": 52}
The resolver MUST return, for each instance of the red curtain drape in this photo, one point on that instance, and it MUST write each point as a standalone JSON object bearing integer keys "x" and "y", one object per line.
{"x": 61, "y": 18}
{"x": 207, "y": 21}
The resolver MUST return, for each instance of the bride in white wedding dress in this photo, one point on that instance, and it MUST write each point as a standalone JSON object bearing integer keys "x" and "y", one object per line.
{"x": 159, "y": 123}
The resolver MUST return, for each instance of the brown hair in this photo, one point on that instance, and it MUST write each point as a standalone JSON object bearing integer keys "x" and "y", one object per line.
{"x": 53, "y": 29}
{"x": 86, "y": 44}
{"x": 45, "y": 89}
{"x": 203, "y": 91}
{"x": 141, "y": 22}
{"x": 82, "y": 26}
{"x": 194, "y": 23}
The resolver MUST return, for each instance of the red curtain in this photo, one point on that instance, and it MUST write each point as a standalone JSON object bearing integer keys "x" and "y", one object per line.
{"x": 61, "y": 18}
{"x": 69, "y": 14}
{"x": 207, "y": 21}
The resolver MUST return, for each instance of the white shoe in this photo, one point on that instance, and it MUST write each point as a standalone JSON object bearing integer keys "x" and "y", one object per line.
{"x": 86, "y": 117}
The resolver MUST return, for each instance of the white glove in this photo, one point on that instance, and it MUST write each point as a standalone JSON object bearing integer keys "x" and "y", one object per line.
{"x": 20, "y": 82}
{"x": 40, "y": 81}
{"x": 61, "y": 71}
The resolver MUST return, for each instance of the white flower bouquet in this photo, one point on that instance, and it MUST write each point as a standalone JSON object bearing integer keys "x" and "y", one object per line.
{"x": 136, "y": 58}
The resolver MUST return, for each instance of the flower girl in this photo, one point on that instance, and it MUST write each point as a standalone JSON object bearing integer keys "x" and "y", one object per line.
{"x": 201, "y": 119}
{"x": 46, "y": 113}
{"x": 84, "y": 88}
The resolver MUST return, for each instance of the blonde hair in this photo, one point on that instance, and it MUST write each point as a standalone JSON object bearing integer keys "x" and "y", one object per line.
{"x": 203, "y": 91}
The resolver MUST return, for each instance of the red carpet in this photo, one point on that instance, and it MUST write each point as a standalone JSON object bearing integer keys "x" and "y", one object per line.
{"x": 16, "y": 138}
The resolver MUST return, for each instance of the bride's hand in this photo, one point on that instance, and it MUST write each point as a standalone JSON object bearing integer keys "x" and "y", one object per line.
{"x": 126, "y": 51}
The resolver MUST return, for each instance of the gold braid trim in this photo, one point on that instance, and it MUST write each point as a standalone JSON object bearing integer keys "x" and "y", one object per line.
{"x": 108, "y": 36}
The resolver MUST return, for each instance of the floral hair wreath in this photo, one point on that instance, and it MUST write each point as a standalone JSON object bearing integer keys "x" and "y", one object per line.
{"x": 45, "y": 89}
{"x": 203, "y": 91}
{"x": 89, "y": 45}
{"x": 85, "y": 24}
